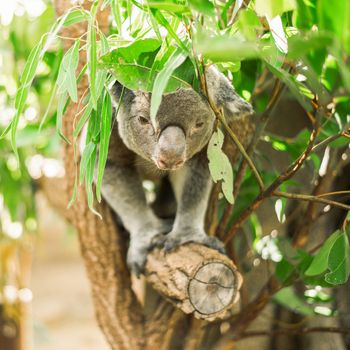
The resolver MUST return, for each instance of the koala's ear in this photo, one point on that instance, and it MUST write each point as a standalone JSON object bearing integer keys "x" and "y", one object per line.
{"x": 116, "y": 91}
{"x": 221, "y": 91}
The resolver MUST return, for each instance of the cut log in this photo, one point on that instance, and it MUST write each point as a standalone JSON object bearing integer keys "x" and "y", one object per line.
{"x": 198, "y": 280}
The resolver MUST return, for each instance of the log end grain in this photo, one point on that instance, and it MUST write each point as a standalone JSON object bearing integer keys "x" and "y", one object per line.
{"x": 197, "y": 279}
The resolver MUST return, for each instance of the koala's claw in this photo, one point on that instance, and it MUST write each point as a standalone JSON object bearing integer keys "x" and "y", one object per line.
{"x": 173, "y": 240}
{"x": 142, "y": 243}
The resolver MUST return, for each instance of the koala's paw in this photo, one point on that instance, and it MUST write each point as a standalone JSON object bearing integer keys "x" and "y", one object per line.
{"x": 176, "y": 238}
{"x": 136, "y": 258}
{"x": 142, "y": 242}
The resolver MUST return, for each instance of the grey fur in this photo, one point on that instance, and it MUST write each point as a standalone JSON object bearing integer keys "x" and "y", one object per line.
{"x": 175, "y": 149}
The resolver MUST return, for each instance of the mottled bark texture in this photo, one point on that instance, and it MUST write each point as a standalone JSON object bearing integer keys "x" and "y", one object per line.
{"x": 118, "y": 312}
{"x": 125, "y": 323}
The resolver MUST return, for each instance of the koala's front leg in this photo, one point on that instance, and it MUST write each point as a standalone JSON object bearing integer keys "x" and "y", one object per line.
{"x": 192, "y": 185}
{"x": 122, "y": 188}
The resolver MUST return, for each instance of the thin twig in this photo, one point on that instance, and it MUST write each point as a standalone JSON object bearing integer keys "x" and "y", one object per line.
{"x": 310, "y": 198}
{"x": 286, "y": 175}
{"x": 275, "y": 95}
{"x": 335, "y": 193}
{"x": 242, "y": 150}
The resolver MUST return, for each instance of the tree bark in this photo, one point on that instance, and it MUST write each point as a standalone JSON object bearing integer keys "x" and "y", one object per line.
{"x": 9, "y": 333}
{"x": 118, "y": 312}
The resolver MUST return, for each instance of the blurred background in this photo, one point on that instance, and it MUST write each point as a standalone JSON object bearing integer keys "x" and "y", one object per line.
{"x": 44, "y": 293}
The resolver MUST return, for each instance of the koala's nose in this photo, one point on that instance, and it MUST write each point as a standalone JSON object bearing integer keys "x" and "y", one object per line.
{"x": 165, "y": 163}
{"x": 171, "y": 148}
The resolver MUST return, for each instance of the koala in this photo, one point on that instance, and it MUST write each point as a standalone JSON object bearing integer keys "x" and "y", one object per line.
{"x": 173, "y": 152}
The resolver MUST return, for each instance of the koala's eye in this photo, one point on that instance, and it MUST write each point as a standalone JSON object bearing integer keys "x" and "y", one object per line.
{"x": 142, "y": 120}
{"x": 199, "y": 125}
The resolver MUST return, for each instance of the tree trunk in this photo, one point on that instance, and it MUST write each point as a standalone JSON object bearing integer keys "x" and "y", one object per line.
{"x": 121, "y": 317}
{"x": 118, "y": 312}
{"x": 9, "y": 333}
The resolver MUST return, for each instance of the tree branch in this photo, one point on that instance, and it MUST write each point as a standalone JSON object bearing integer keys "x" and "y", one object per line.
{"x": 310, "y": 198}
{"x": 286, "y": 175}
{"x": 290, "y": 331}
{"x": 260, "y": 127}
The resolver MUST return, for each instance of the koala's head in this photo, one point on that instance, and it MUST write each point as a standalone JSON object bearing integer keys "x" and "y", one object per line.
{"x": 184, "y": 121}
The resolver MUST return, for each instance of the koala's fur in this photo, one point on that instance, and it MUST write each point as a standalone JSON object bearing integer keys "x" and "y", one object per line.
{"x": 173, "y": 152}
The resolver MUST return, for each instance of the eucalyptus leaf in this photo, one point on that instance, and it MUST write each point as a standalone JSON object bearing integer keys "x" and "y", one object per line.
{"x": 117, "y": 15}
{"x": 338, "y": 24}
{"x": 87, "y": 153}
{"x": 319, "y": 263}
{"x": 288, "y": 298}
{"x": 76, "y": 16}
{"x": 226, "y": 48}
{"x": 339, "y": 261}
{"x": 203, "y": 6}
{"x": 168, "y": 5}
{"x": 220, "y": 166}
{"x": 66, "y": 80}
{"x": 22, "y": 93}
{"x": 273, "y": 8}
{"x": 163, "y": 21}
{"x": 134, "y": 67}
{"x": 162, "y": 79}
{"x": 106, "y": 122}
{"x": 92, "y": 61}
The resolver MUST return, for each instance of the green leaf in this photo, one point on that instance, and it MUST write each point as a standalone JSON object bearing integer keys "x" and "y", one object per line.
{"x": 88, "y": 151}
{"x": 106, "y": 121}
{"x": 62, "y": 104}
{"x": 319, "y": 263}
{"x": 339, "y": 261}
{"x": 300, "y": 45}
{"x": 22, "y": 93}
{"x": 76, "y": 16}
{"x": 43, "y": 119}
{"x": 288, "y": 298}
{"x": 135, "y": 51}
{"x": 203, "y": 6}
{"x": 284, "y": 271}
{"x": 163, "y": 21}
{"x": 100, "y": 82}
{"x": 220, "y": 166}
{"x": 66, "y": 79}
{"x": 248, "y": 23}
{"x": 334, "y": 16}
{"x": 168, "y": 5}
{"x": 134, "y": 67}
{"x": 295, "y": 87}
{"x": 162, "y": 79}
{"x": 104, "y": 44}
{"x": 224, "y": 48}
{"x": 89, "y": 181}
{"x": 92, "y": 61}
{"x": 83, "y": 119}
{"x": 155, "y": 26}
{"x": 117, "y": 15}
{"x": 6, "y": 131}
{"x": 273, "y": 8}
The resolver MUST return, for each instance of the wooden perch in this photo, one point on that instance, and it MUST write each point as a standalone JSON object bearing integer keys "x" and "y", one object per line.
{"x": 197, "y": 279}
